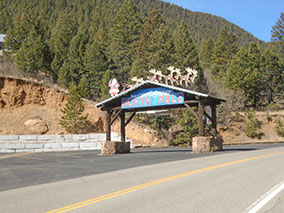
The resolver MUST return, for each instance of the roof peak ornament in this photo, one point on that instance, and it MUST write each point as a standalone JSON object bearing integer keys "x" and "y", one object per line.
{"x": 175, "y": 77}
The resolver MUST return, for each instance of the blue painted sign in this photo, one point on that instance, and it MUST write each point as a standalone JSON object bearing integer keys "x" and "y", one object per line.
{"x": 152, "y": 97}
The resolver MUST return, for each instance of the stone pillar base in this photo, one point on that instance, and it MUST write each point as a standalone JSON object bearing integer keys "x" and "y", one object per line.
{"x": 203, "y": 144}
{"x": 111, "y": 148}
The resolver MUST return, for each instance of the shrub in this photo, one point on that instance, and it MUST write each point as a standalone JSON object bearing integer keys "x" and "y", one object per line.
{"x": 237, "y": 117}
{"x": 252, "y": 124}
{"x": 268, "y": 117}
{"x": 251, "y": 127}
{"x": 273, "y": 107}
{"x": 190, "y": 126}
{"x": 72, "y": 119}
{"x": 160, "y": 123}
{"x": 236, "y": 132}
{"x": 279, "y": 128}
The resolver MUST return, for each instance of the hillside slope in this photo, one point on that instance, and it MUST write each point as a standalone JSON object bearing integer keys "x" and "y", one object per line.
{"x": 200, "y": 25}
{"x": 23, "y": 100}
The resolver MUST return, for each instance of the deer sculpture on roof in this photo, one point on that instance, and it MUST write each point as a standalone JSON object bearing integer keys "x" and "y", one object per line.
{"x": 174, "y": 77}
{"x": 137, "y": 80}
{"x": 189, "y": 77}
{"x": 171, "y": 76}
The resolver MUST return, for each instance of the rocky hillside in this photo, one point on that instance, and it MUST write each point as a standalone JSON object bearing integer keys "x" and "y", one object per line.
{"x": 28, "y": 107}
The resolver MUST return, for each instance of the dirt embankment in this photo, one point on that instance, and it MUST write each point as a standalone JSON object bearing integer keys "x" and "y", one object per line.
{"x": 22, "y": 100}
{"x": 233, "y": 132}
{"x": 25, "y": 100}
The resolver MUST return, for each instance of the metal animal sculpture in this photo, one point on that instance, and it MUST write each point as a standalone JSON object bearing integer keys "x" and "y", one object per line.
{"x": 171, "y": 76}
{"x": 194, "y": 74}
{"x": 137, "y": 80}
{"x": 154, "y": 73}
{"x": 189, "y": 77}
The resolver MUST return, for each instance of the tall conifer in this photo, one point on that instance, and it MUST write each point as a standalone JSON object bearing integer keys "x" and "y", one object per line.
{"x": 62, "y": 34}
{"x": 73, "y": 119}
{"x": 155, "y": 47}
{"x": 245, "y": 74}
{"x": 206, "y": 53}
{"x": 73, "y": 68}
{"x": 277, "y": 32}
{"x": 186, "y": 54}
{"x": 96, "y": 64}
{"x": 124, "y": 35}
{"x": 224, "y": 49}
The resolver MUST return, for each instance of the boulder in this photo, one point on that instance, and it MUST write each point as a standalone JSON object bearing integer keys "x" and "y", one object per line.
{"x": 36, "y": 126}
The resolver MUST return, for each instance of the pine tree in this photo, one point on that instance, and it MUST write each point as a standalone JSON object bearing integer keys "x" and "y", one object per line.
{"x": 5, "y": 18}
{"x": 245, "y": 74}
{"x": 73, "y": 68}
{"x": 206, "y": 53}
{"x": 62, "y": 34}
{"x": 277, "y": 32}
{"x": 273, "y": 75}
{"x": 124, "y": 35}
{"x": 186, "y": 54}
{"x": 34, "y": 54}
{"x": 224, "y": 49}
{"x": 155, "y": 47}
{"x": 277, "y": 36}
{"x": 84, "y": 88}
{"x": 96, "y": 64}
{"x": 17, "y": 34}
{"x": 104, "y": 87}
{"x": 73, "y": 119}
{"x": 185, "y": 51}
{"x": 189, "y": 124}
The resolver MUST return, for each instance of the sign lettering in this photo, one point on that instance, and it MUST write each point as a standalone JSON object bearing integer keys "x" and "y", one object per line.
{"x": 152, "y": 97}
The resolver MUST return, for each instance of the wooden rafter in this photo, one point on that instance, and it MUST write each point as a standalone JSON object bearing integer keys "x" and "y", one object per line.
{"x": 192, "y": 111}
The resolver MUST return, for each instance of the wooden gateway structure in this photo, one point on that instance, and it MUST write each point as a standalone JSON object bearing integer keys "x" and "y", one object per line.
{"x": 150, "y": 95}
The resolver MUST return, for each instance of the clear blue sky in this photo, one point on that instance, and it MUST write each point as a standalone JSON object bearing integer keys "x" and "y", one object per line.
{"x": 254, "y": 16}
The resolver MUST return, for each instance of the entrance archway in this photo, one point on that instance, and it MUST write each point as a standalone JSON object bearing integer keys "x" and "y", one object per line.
{"x": 150, "y": 95}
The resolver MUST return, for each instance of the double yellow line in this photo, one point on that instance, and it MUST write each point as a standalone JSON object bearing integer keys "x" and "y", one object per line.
{"x": 153, "y": 183}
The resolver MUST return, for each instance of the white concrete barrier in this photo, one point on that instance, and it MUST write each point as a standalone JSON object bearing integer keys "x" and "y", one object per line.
{"x": 49, "y": 143}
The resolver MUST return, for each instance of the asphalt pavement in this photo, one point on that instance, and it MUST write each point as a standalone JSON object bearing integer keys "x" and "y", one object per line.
{"x": 27, "y": 169}
{"x": 234, "y": 180}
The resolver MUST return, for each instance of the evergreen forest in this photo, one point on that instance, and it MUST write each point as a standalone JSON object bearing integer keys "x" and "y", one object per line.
{"x": 88, "y": 42}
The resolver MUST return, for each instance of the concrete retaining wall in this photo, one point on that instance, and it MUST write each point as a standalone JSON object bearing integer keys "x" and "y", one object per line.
{"x": 49, "y": 143}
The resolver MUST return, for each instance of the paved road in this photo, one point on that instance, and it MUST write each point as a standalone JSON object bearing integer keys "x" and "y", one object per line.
{"x": 219, "y": 182}
{"x": 20, "y": 170}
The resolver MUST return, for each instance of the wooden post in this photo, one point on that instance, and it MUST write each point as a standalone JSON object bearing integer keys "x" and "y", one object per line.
{"x": 214, "y": 119}
{"x": 122, "y": 126}
{"x": 108, "y": 126}
{"x": 201, "y": 115}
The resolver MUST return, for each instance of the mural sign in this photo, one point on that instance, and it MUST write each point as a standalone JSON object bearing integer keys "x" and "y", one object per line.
{"x": 152, "y": 97}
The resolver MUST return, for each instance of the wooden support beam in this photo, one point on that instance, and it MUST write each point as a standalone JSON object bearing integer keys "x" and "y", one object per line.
{"x": 191, "y": 102}
{"x": 201, "y": 115}
{"x": 115, "y": 116}
{"x": 108, "y": 126}
{"x": 192, "y": 111}
{"x": 214, "y": 119}
{"x": 110, "y": 108}
{"x": 130, "y": 118}
{"x": 122, "y": 125}
{"x": 208, "y": 116}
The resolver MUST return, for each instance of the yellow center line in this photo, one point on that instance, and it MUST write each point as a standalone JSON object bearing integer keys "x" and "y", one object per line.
{"x": 153, "y": 183}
